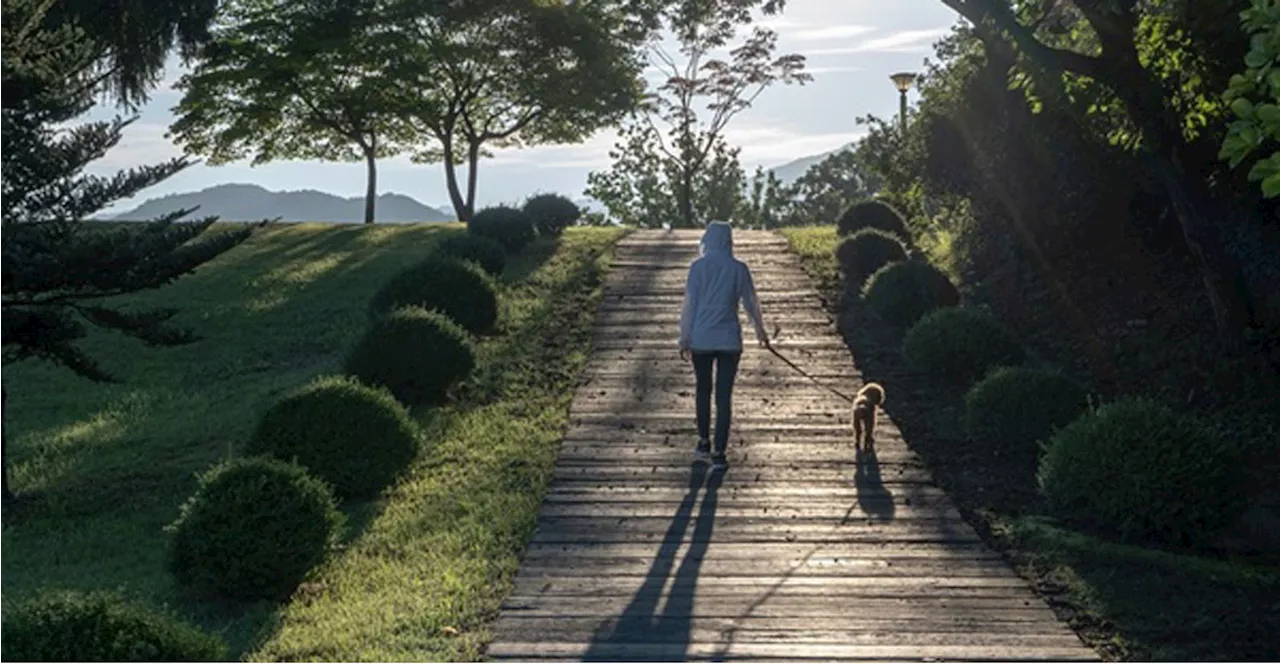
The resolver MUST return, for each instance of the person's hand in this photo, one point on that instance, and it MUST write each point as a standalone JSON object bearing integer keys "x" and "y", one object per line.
{"x": 684, "y": 354}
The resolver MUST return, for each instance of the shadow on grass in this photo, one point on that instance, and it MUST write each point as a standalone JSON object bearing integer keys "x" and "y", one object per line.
{"x": 1168, "y": 607}
{"x": 101, "y": 468}
{"x": 118, "y": 451}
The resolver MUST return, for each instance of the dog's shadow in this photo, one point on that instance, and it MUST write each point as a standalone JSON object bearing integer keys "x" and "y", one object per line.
{"x": 874, "y": 499}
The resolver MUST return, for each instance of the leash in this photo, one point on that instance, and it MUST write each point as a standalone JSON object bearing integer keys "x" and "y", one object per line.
{"x": 802, "y": 372}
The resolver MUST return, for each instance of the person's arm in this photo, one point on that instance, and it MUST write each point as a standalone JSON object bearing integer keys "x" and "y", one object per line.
{"x": 687, "y": 310}
{"x": 752, "y": 304}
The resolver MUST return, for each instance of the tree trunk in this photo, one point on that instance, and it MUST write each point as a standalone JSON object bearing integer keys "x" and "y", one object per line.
{"x": 371, "y": 186}
{"x": 461, "y": 207}
{"x": 473, "y": 173}
{"x": 4, "y": 445}
{"x": 1189, "y": 197}
{"x": 684, "y": 200}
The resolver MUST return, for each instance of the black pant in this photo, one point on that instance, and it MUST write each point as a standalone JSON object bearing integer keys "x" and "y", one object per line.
{"x": 726, "y": 365}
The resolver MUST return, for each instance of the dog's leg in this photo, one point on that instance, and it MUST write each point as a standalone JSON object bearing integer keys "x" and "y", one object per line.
{"x": 871, "y": 425}
{"x": 857, "y": 428}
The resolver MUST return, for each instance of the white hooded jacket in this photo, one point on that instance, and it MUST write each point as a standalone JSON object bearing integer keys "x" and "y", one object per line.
{"x": 717, "y": 282}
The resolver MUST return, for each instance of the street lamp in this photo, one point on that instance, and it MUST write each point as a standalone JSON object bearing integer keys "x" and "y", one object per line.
{"x": 903, "y": 81}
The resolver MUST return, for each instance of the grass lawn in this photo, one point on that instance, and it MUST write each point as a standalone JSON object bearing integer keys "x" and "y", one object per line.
{"x": 1129, "y": 602}
{"x": 101, "y": 468}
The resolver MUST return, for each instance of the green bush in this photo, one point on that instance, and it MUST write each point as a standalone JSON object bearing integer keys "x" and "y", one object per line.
{"x": 1137, "y": 469}
{"x": 903, "y": 292}
{"x": 459, "y": 290}
{"x": 102, "y": 627}
{"x": 960, "y": 345}
{"x": 1014, "y": 409}
{"x": 415, "y": 353}
{"x": 866, "y": 251}
{"x": 508, "y": 226}
{"x": 483, "y": 251}
{"x": 873, "y": 214}
{"x": 552, "y": 213}
{"x": 253, "y": 530}
{"x": 356, "y": 437}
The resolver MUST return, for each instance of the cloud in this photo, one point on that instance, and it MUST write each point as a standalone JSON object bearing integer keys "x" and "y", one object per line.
{"x": 773, "y": 145}
{"x": 142, "y": 144}
{"x": 778, "y": 23}
{"x": 816, "y": 71}
{"x": 761, "y": 144}
{"x": 592, "y": 153}
{"x": 830, "y": 32}
{"x": 905, "y": 41}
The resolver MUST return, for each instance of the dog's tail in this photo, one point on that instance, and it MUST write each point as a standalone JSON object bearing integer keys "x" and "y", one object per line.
{"x": 874, "y": 393}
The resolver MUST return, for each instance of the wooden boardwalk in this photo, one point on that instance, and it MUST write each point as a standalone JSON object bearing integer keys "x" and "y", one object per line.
{"x": 803, "y": 549}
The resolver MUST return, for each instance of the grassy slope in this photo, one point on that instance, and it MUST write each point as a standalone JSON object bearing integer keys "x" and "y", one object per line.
{"x": 103, "y": 468}
{"x": 1130, "y": 602}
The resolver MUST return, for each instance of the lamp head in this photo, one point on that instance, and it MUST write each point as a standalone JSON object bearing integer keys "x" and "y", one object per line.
{"x": 903, "y": 80}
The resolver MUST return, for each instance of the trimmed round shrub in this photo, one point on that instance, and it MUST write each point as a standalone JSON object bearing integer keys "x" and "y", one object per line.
{"x": 508, "y": 226}
{"x": 960, "y": 345}
{"x": 357, "y": 438}
{"x": 102, "y": 627}
{"x": 415, "y": 353}
{"x": 903, "y": 292}
{"x": 1136, "y": 469}
{"x": 1014, "y": 409}
{"x": 483, "y": 251}
{"x": 552, "y": 213}
{"x": 873, "y": 214}
{"x": 253, "y": 530}
{"x": 868, "y": 250}
{"x": 457, "y": 289}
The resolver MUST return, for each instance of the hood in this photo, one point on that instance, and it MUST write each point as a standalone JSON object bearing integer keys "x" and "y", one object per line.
{"x": 718, "y": 237}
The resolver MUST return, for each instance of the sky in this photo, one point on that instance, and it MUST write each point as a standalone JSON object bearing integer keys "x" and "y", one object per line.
{"x": 851, "y": 47}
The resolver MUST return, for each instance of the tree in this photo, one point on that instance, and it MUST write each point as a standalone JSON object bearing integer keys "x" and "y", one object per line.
{"x": 509, "y": 73}
{"x": 766, "y": 202}
{"x": 135, "y": 37}
{"x": 1117, "y": 64}
{"x": 294, "y": 80}
{"x": 57, "y": 268}
{"x": 687, "y": 146}
{"x": 828, "y": 188}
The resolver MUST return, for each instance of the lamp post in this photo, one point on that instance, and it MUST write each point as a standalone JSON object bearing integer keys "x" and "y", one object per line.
{"x": 903, "y": 81}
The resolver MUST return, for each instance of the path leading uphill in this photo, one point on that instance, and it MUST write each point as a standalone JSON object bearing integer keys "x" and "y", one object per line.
{"x": 801, "y": 550}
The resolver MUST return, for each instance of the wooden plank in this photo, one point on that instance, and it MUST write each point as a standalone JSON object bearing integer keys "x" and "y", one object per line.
{"x": 776, "y": 586}
{"x": 869, "y": 555}
{"x": 879, "y": 509}
{"x": 621, "y": 472}
{"x": 639, "y": 651}
{"x": 945, "y": 629}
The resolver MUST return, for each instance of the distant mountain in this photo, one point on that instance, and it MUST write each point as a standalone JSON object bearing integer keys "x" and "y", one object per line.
{"x": 248, "y": 202}
{"x": 792, "y": 170}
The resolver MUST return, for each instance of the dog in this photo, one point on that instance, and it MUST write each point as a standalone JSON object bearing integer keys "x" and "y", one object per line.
{"x": 864, "y": 413}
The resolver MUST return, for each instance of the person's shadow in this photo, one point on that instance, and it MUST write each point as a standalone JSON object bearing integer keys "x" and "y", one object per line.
{"x": 667, "y": 635}
{"x": 874, "y": 499}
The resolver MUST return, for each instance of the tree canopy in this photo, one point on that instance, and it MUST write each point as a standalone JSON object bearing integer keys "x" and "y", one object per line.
{"x": 508, "y": 73}
{"x": 291, "y": 80}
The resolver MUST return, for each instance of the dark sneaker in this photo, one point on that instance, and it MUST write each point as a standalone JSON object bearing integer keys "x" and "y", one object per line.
{"x": 703, "y": 451}
{"x": 719, "y": 462}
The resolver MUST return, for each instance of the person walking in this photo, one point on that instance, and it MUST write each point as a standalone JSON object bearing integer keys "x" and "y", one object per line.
{"x": 711, "y": 335}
